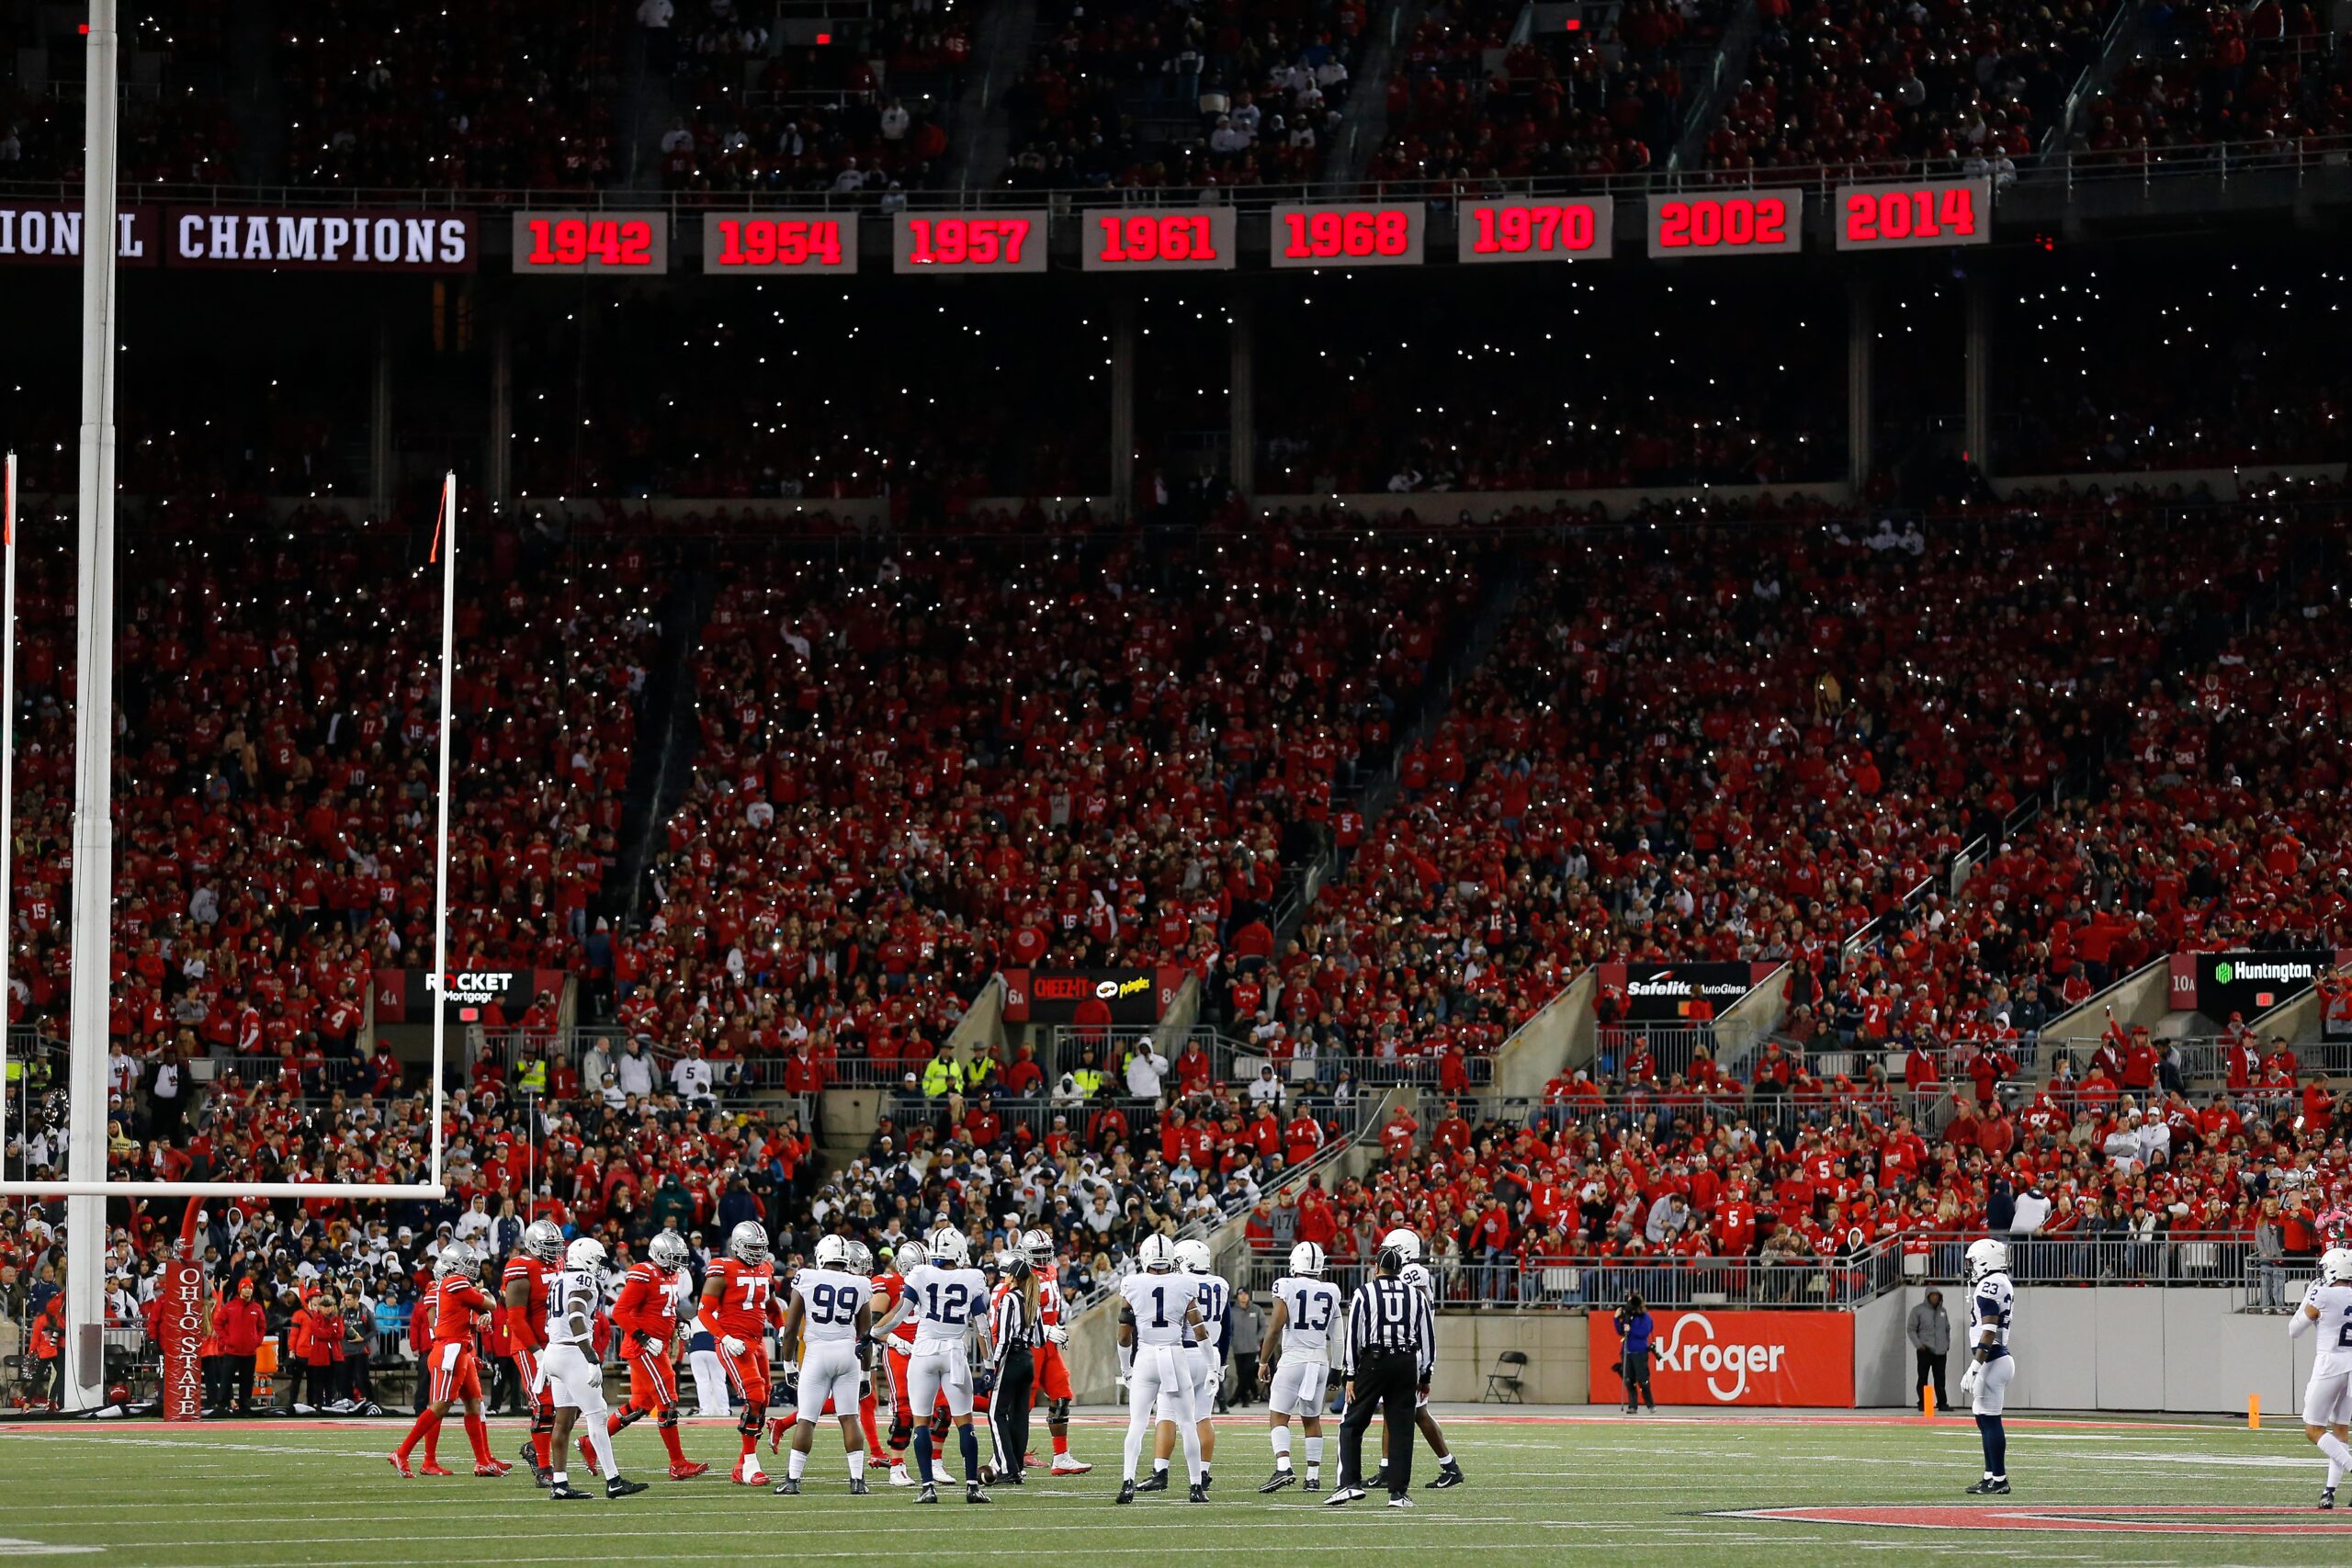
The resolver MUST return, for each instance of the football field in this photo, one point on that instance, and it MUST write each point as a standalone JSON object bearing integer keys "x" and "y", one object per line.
{"x": 1709, "y": 1487}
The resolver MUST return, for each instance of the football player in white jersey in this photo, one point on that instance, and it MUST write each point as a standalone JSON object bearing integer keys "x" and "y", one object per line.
{"x": 1298, "y": 1348}
{"x": 1416, "y": 1274}
{"x": 944, "y": 1297}
{"x": 828, "y": 1317}
{"x": 1992, "y": 1313}
{"x": 1159, "y": 1319}
{"x": 574, "y": 1296}
{"x": 1206, "y": 1362}
{"x": 2327, "y": 1399}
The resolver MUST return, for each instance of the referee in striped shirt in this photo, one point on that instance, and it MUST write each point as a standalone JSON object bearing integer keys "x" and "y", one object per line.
{"x": 1013, "y": 1335}
{"x": 1392, "y": 1346}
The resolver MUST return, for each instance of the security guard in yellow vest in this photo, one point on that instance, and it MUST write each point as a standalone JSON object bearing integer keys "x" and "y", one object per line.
{"x": 942, "y": 1075}
{"x": 531, "y": 1077}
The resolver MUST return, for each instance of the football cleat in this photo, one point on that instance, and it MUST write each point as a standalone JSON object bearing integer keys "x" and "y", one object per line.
{"x": 543, "y": 1478}
{"x": 1065, "y": 1465}
{"x": 491, "y": 1471}
{"x": 563, "y": 1492}
{"x": 501, "y": 1465}
{"x": 787, "y": 1487}
{"x": 1127, "y": 1492}
{"x": 1990, "y": 1487}
{"x": 1447, "y": 1475}
{"x": 1199, "y": 1493}
{"x": 776, "y": 1430}
{"x": 1401, "y": 1501}
{"x": 973, "y": 1493}
{"x": 2327, "y": 1497}
{"x": 1279, "y": 1480}
{"x": 588, "y": 1458}
{"x": 1310, "y": 1484}
{"x": 1031, "y": 1462}
{"x": 529, "y": 1454}
{"x": 688, "y": 1470}
{"x": 400, "y": 1464}
{"x": 430, "y": 1467}
{"x": 899, "y": 1476}
{"x": 857, "y": 1487}
{"x": 929, "y": 1493}
{"x": 1343, "y": 1495}
{"x": 618, "y": 1487}
{"x": 1159, "y": 1482}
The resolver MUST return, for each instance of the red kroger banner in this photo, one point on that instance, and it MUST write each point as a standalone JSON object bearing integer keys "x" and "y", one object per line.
{"x": 1734, "y": 1357}
{"x": 181, "y": 1324}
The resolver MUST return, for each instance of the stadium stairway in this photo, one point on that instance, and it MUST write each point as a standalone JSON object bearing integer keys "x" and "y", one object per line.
{"x": 667, "y": 735}
{"x": 1504, "y": 573}
{"x": 1366, "y": 131}
{"x": 1726, "y": 68}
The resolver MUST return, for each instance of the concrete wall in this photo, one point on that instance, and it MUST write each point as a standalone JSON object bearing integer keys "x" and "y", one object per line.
{"x": 2144, "y": 995}
{"x": 1557, "y": 1348}
{"x": 2181, "y": 1351}
{"x": 982, "y": 1024}
{"x": 1561, "y": 1032}
{"x": 1882, "y": 1353}
{"x": 1741, "y": 1026}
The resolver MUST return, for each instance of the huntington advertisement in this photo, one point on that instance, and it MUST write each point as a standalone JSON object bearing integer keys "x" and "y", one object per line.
{"x": 1734, "y": 1357}
{"x": 2250, "y": 983}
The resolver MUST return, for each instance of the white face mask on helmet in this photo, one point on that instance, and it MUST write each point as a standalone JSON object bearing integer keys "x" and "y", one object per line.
{"x": 1987, "y": 1257}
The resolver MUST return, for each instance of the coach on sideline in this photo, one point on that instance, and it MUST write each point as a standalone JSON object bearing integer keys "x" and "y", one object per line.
{"x": 1392, "y": 1348}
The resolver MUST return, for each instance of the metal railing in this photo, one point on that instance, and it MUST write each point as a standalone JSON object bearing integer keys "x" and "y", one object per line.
{"x": 2085, "y": 1257}
{"x": 1836, "y": 1284}
{"x": 2303, "y": 155}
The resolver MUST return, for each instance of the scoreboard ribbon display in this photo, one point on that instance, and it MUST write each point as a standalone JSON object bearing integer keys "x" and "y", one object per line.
{"x": 780, "y": 244}
{"x": 1379, "y": 234}
{"x": 565, "y": 243}
{"x": 1196, "y": 239}
{"x": 1569, "y": 228}
{"x": 1908, "y": 216}
{"x": 968, "y": 242}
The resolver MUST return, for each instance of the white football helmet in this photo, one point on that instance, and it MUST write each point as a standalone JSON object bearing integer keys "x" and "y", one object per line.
{"x": 832, "y": 1252}
{"x": 1405, "y": 1241}
{"x": 2335, "y": 1265}
{"x": 1194, "y": 1257}
{"x": 910, "y": 1256}
{"x": 748, "y": 1241}
{"x": 585, "y": 1253}
{"x": 456, "y": 1259}
{"x": 1987, "y": 1257}
{"x": 949, "y": 1249}
{"x": 861, "y": 1257}
{"x": 543, "y": 1239}
{"x": 667, "y": 1250}
{"x": 1306, "y": 1260}
{"x": 1038, "y": 1245}
{"x": 1157, "y": 1253}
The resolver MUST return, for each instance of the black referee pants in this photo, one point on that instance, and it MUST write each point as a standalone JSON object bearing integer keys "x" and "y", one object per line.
{"x": 1009, "y": 1411}
{"x": 1385, "y": 1382}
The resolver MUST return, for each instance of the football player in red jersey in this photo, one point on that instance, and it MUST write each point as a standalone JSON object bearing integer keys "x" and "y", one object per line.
{"x": 899, "y": 1347}
{"x": 455, "y": 1296}
{"x": 1053, "y": 1371}
{"x": 645, "y": 1312}
{"x": 523, "y": 1288}
{"x": 738, "y": 1303}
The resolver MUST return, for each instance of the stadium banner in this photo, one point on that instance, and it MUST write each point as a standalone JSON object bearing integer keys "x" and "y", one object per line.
{"x": 405, "y": 995}
{"x": 1190, "y": 239}
{"x": 180, "y": 1323}
{"x": 1733, "y": 1358}
{"x": 1727, "y": 223}
{"x": 2254, "y": 982}
{"x": 49, "y": 233}
{"x": 257, "y": 239}
{"x": 968, "y": 242}
{"x": 1910, "y": 216}
{"x": 780, "y": 245}
{"x": 1391, "y": 233}
{"x": 1579, "y": 227}
{"x": 562, "y": 243}
{"x": 1663, "y": 993}
{"x": 1053, "y": 996}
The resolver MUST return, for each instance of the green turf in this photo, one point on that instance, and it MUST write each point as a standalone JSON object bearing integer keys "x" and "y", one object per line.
{"x": 1638, "y": 1493}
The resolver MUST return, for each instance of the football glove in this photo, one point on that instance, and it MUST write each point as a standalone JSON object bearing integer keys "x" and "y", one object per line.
{"x": 1217, "y": 1379}
{"x": 1119, "y": 1387}
{"x": 731, "y": 1344}
{"x": 1975, "y": 1371}
{"x": 787, "y": 1372}
{"x": 1057, "y": 1335}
